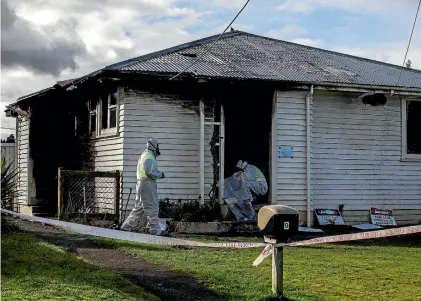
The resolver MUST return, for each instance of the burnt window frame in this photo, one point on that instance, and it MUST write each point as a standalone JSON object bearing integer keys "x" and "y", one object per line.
{"x": 93, "y": 114}
{"x": 404, "y": 114}
{"x": 107, "y": 131}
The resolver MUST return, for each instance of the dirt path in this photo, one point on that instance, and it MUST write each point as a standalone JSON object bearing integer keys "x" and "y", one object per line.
{"x": 158, "y": 280}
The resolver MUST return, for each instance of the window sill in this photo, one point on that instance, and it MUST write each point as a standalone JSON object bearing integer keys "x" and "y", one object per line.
{"x": 106, "y": 135}
{"x": 406, "y": 158}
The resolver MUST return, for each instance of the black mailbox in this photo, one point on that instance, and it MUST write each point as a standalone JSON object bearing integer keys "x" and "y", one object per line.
{"x": 278, "y": 222}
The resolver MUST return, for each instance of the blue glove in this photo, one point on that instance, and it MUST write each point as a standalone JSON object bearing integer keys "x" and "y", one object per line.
{"x": 163, "y": 176}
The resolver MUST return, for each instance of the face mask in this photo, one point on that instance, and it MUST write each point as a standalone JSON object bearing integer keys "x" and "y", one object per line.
{"x": 157, "y": 152}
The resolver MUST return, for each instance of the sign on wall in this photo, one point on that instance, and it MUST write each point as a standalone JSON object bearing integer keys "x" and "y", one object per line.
{"x": 382, "y": 217}
{"x": 329, "y": 217}
{"x": 285, "y": 152}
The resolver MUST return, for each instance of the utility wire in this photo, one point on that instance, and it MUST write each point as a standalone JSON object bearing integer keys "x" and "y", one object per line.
{"x": 412, "y": 32}
{"x": 409, "y": 43}
{"x": 7, "y": 128}
{"x": 211, "y": 45}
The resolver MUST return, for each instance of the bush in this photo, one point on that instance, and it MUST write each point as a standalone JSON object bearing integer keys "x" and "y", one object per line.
{"x": 9, "y": 188}
{"x": 189, "y": 210}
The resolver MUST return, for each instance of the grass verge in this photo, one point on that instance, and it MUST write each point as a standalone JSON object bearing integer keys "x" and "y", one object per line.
{"x": 323, "y": 272}
{"x": 35, "y": 270}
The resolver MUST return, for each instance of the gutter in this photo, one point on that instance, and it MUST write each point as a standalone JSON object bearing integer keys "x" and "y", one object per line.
{"x": 309, "y": 99}
{"x": 363, "y": 88}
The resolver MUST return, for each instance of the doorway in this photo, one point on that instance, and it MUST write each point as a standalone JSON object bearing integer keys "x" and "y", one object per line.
{"x": 248, "y": 123}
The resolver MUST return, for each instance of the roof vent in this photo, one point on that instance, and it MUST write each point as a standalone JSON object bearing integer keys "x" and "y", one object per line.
{"x": 189, "y": 54}
{"x": 375, "y": 99}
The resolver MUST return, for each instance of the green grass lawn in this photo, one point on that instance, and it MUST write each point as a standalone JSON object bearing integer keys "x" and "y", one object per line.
{"x": 32, "y": 269}
{"x": 322, "y": 272}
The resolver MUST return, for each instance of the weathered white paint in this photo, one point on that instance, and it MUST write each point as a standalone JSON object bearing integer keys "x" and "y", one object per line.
{"x": 24, "y": 162}
{"x": 291, "y": 181}
{"x": 309, "y": 100}
{"x": 273, "y": 164}
{"x": 221, "y": 156}
{"x": 356, "y": 158}
{"x": 178, "y": 130}
{"x": 202, "y": 151}
{"x": 108, "y": 156}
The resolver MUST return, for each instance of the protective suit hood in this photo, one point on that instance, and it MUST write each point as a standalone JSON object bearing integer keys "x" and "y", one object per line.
{"x": 153, "y": 145}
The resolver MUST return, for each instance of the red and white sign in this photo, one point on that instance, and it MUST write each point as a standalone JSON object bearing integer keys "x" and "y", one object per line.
{"x": 382, "y": 217}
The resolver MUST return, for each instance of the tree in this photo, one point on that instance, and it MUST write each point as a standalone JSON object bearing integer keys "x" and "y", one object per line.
{"x": 408, "y": 63}
{"x": 10, "y": 139}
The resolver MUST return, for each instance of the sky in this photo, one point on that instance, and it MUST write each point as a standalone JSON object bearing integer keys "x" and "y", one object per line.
{"x": 43, "y": 41}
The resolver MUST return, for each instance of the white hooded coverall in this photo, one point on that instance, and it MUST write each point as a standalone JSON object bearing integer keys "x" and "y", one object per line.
{"x": 146, "y": 209}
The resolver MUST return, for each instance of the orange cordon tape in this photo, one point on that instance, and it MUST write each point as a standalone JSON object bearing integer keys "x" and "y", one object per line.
{"x": 169, "y": 241}
{"x": 340, "y": 238}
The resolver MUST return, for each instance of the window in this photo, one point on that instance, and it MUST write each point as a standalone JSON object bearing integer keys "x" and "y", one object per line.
{"x": 411, "y": 129}
{"x": 103, "y": 115}
{"x": 92, "y": 107}
{"x": 109, "y": 113}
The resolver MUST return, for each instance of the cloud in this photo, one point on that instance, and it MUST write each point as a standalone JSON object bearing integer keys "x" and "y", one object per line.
{"x": 389, "y": 52}
{"x": 22, "y": 45}
{"x": 360, "y": 6}
{"x": 229, "y": 3}
{"x": 288, "y": 31}
{"x": 110, "y": 31}
{"x": 308, "y": 42}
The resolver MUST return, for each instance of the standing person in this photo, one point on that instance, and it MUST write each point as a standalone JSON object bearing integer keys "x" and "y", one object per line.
{"x": 146, "y": 209}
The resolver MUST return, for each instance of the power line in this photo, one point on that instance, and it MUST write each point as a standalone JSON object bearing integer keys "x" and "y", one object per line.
{"x": 7, "y": 128}
{"x": 412, "y": 32}
{"x": 409, "y": 43}
{"x": 211, "y": 45}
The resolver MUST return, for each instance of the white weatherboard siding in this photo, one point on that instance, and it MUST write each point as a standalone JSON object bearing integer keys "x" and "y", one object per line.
{"x": 109, "y": 157}
{"x": 26, "y": 188}
{"x": 356, "y": 159}
{"x": 177, "y": 129}
{"x": 291, "y": 132}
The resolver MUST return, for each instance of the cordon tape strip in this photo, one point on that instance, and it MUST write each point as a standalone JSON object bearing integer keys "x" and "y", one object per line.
{"x": 341, "y": 238}
{"x": 169, "y": 241}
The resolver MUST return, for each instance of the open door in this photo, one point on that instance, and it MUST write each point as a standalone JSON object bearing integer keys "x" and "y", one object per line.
{"x": 215, "y": 124}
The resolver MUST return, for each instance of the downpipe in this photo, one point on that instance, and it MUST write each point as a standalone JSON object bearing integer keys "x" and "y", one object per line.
{"x": 309, "y": 98}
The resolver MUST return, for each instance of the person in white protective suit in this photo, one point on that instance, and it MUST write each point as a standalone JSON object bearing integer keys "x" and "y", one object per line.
{"x": 253, "y": 179}
{"x": 146, "y": 209}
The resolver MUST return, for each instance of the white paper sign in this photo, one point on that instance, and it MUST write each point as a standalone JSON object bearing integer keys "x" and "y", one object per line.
{"x": 329, "y": 217}
{"x": 382, "y": 217}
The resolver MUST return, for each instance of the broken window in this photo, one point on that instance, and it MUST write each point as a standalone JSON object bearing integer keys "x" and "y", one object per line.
{"x": 92, "y": 106}
{"x": 413, "y": 127}
{"x": 103, "y": 115}
{"x": 109, "y": 113}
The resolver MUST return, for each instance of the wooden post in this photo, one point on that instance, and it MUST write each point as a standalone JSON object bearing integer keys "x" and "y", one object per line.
{"x": 117, "y": 194}
{"x": 277, "y": 271}
{"x": 277, "y": 267}
{"x": 221, "y": 156}
{"x": 59, "y": 188}
{"x": 202, "y": 152}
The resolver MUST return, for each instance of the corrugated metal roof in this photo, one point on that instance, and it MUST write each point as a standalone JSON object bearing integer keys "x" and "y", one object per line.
{"x": 247, "y": 56}
{"x": 241, "y": 55}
